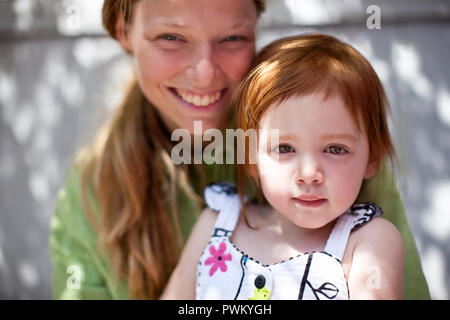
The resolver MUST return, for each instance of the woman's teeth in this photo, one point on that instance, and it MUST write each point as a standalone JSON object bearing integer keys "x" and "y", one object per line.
{"x": 199, "y": 100}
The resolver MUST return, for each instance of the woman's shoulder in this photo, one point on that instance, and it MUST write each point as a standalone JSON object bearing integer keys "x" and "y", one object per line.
{"x": 69, "y": 194}
{"x": 69, "y": 214}
{"x": 73, "y": 242}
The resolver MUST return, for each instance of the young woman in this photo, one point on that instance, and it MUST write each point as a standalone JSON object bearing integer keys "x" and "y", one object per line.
{"x": 125, "y": 212}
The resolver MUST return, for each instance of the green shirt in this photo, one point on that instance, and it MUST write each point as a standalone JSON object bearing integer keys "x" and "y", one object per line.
{"x": 80, "y": 271}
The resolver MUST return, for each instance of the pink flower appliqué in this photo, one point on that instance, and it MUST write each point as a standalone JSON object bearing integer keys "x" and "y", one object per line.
{"x": 218, "y": 258}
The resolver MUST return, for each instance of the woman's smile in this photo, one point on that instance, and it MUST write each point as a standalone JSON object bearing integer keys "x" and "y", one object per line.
{"x": 199, "y": 100}
{"x": 188, "y": 64}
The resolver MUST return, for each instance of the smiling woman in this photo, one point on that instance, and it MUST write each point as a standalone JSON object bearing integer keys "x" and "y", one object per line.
{"x": 189, "y": 65}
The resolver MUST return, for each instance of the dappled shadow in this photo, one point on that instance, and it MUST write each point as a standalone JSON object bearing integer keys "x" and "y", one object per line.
{"x": 53, "y": 95}
{"x": 54, "y": 92}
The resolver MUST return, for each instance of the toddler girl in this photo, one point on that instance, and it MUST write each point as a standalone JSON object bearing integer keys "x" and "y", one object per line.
{"x": 310, "y": 240}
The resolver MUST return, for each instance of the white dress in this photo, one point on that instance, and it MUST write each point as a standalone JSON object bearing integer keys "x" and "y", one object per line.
{"x": 225, "y": 273}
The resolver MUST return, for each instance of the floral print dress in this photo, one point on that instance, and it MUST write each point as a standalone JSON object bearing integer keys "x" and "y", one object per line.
{"x": 226, "y": 273}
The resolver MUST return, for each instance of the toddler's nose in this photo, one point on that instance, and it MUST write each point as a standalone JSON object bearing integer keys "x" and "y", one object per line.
{"x": 309, "y": 171}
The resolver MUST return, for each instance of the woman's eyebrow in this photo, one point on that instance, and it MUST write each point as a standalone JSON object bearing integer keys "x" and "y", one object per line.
{"x": 167, "y": 23}
{"x": 242, "y": 24}
{"x": 182, "y": 24}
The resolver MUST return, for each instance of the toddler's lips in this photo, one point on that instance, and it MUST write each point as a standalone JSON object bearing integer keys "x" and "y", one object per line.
{"x": 311, "y": 202}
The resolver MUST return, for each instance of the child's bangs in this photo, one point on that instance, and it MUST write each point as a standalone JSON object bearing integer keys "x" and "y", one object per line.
{"x": 319, "y": 72}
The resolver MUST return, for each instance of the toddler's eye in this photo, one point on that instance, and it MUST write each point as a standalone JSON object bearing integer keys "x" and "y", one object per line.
{"x": 284, "y": 148}
{"x": 336, "y": 150}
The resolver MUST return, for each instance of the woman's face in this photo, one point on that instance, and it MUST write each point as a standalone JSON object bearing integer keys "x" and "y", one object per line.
{"x": 191, "y": 55}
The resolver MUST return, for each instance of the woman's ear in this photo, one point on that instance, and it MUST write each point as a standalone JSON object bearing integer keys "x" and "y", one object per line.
{"x": 122, "y": 34}
{"x": 372, "y": 168}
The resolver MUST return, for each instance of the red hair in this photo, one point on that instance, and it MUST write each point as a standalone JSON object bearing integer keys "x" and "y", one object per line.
{"x": 301, "y": 65}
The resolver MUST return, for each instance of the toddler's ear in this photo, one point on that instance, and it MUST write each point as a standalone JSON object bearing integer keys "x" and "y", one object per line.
{"x": 372, "y": 168}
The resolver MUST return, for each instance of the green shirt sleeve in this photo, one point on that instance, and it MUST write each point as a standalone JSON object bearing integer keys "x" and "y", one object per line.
{"x": 79, "y": 271}
{"x": 382, "y": 190}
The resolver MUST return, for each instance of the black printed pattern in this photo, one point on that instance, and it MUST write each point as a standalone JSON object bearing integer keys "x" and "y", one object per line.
{"x": 326, "y": 289}
{"x": 242, "y": 263}
{"x": 224, "y": 187}
{"x": 219, "y": 188}
{"x": 220, "y": 232}
{"x": 366, "y": 210}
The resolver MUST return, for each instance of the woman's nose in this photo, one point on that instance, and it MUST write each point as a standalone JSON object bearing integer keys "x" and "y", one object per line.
{"x": 203, "y": 68}
{"x": 309, "y": 171}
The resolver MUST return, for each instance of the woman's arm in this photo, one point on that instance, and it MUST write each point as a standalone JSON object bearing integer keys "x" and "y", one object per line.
{"x": 376, "y": 270}
{"x": 181, "y": 285}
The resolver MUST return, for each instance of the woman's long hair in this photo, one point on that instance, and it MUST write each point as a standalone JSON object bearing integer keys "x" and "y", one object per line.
{"x": 129, "y": 172}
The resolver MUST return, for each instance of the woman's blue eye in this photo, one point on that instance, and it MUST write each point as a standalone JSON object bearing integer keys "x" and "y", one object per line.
{"x": 170, "y": 37}
{"x": 336, "y": 150}
{"x": 232, "y": 38}
{"x": 284, "y": 148}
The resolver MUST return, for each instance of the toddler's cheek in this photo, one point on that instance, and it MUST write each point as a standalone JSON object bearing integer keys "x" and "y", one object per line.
{"x": 345, "y": 194}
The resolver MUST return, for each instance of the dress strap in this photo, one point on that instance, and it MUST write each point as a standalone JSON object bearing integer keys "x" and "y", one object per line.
{"x": 356, "y": 216}
{"x": 222, "y": 197}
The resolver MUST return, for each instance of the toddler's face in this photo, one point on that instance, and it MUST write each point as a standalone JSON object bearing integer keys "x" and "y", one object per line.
{"x": 314, "y": 173}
